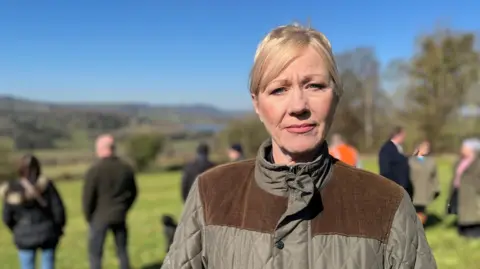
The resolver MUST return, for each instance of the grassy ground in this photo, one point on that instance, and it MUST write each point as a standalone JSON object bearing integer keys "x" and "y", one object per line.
{"x": 159, "y": 194}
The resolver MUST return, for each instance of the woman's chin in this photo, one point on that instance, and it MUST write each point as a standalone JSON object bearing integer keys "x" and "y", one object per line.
{"x": 302, "y": 146}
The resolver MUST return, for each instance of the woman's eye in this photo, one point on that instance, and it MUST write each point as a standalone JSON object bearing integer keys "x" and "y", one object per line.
{"x": 277, "y": 91}
{"x": 318, "y": 86}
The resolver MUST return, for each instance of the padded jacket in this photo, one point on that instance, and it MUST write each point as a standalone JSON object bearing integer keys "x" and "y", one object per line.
{"x": 324, "y": 214}
{"x": 36, "y": 222}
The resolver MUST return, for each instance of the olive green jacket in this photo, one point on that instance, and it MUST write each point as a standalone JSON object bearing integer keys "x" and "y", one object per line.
{"x": 423, "y": 174}
{"x": 324, "y": 214}
{"x": 469, "y": 195}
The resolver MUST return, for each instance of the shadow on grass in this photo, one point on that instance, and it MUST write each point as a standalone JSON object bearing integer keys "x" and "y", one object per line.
{"x": 155, "y": 265}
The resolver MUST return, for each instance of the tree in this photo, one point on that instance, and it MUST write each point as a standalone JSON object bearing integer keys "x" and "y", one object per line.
{"x": 360, "y": 106}
{"x": 143, "y": 148}
{"x": 7, "y": 170}
{"x": 443, "y": 71}
{"x": 348, "y": 121}
{"x": 473, "y": 95}
{"x": 250, "y": 132}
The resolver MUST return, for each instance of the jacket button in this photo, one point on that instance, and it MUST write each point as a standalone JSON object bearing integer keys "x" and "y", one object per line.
{"x": 279, "y": 244}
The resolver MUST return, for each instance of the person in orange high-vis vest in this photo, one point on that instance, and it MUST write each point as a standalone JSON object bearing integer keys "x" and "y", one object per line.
{"x": 344, "y": 152}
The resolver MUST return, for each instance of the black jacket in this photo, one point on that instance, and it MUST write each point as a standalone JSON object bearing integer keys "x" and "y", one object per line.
{"x": 191, "y": 171}
{"x": 394, "y": 166}
{"x": 35, "y": 222}
{"x": 109, "y": 191}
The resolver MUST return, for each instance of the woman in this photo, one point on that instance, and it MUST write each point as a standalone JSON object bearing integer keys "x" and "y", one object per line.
{"x": 295, "y": 206}
{"x": 34, "y": 212}
{"x": 465, "y": 188}
{"x": 423, "y": 173}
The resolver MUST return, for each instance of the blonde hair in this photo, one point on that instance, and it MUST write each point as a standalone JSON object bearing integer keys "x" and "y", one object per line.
{"x": 281, "y": 47}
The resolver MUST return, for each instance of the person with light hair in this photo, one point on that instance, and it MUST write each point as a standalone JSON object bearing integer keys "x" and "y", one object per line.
{"x": 294, "y": 206}
{"x": 424, "y": 177}
{"x": 465, "y": 189}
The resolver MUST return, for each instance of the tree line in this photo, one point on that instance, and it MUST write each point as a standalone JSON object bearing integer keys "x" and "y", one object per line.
{"x": 424, "y": 93}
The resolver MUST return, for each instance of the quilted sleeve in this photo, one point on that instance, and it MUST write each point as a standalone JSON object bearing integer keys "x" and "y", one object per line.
{"x": 407, "y": 246}
{"x": 186, "y": 251}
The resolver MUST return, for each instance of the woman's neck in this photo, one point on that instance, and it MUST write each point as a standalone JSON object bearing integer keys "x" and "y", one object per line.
{"x": 284, "y": 158}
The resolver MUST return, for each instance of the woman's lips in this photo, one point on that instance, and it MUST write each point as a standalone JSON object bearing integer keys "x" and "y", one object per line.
{"x": 300, "y": 128}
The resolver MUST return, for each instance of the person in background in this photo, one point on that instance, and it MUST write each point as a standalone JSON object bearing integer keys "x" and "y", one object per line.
{"x": 393, "y": 163}
{"x": 423, "y": 173}
{"x": 109, "y": 192}
{"x": 465, "y": 189}
{"x": 235, "y": 153}
{"x": 33, "y": 210}
{"x": 294, "y": 206}
{"x": 200, "y": 164}
{"x": 169, "y": 226}
{"x": 343, "y": 151}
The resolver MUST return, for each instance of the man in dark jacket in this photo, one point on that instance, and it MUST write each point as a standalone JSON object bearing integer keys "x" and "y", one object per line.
{"x": 199, "y": 165}
{"x": 393, "y": 163}
{"x": 108, "y": 194}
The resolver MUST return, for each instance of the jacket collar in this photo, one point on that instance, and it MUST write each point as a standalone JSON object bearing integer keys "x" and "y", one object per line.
{"x": 302, "y": 178}
{"x": 299, "y": 182}
{"x": 21, "y": 195}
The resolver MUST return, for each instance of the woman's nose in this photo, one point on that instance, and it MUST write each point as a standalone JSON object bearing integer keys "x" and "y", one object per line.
{"x": 298, "y": 102}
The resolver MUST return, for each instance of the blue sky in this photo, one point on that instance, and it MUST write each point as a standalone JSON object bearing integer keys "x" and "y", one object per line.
{"x": 178, "y": 52}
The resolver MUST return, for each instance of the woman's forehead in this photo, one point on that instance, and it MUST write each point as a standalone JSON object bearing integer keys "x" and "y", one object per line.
{"x": 308, "y": 64}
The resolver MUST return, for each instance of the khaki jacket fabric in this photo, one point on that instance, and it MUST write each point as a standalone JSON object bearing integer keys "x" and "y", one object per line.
{"x": 423, "y": 174}
{"x": 324, "y": 214}
{"x": 469, "y": 195}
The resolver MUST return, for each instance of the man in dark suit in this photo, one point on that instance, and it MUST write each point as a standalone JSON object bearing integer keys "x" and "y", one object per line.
{"x": 393, "y": 163}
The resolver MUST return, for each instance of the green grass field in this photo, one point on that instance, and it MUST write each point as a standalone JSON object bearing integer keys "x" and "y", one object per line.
{"x": 159, "y": 194}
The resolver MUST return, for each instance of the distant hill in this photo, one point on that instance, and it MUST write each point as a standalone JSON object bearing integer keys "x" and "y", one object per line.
{"x": 36, "y": 124}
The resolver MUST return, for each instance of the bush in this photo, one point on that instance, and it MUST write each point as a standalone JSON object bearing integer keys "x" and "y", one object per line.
{"x": 249, "y": 132}
{"x": 7, "y": 169}
{"x": 143, "y": 148}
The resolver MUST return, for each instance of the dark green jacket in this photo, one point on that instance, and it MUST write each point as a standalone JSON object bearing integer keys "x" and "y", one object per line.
{"x": 109, "y": 191}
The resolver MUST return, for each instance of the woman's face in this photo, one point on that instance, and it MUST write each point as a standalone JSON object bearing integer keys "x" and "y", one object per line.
{"x": 297, "y": 107}
{"x": 424, "y": 149}
{"x": 466, "y": 151}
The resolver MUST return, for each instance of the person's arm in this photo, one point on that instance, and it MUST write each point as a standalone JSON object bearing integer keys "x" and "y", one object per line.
{"x": 436, "y": 183}
{"x": 186, "y": 251}
{"x": 7, "y": 216}
{"x": 186, "y": 184}
{"x": 89, "y": 195}
{"x": 57, "y": 207}
{"x": 407, "y": 246}
{"x": 384, "y": 161}
{"x": 132, "y": 186}
{"x": 7, "y": 211}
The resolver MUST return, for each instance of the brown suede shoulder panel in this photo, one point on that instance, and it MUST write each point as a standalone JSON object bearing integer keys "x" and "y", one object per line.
{"x": 231, "y": 197}
{"x": 354, "y": 202}
{"x": 357, "y": 203}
